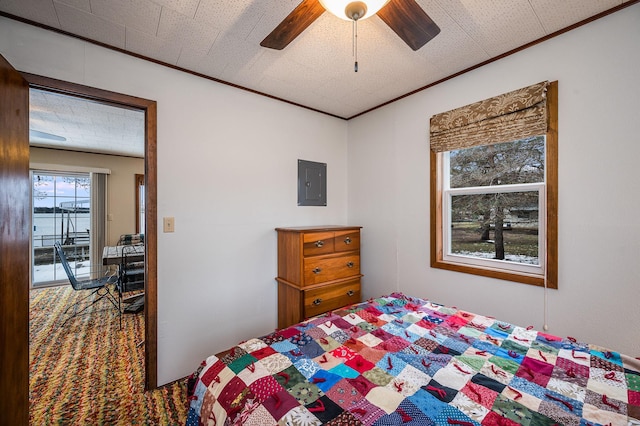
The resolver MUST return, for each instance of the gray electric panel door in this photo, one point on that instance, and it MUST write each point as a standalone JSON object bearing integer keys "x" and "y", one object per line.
{"x": 312, "y": 183}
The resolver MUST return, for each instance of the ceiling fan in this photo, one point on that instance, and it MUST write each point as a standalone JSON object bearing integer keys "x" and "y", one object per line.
{"x": 405, "y": 17}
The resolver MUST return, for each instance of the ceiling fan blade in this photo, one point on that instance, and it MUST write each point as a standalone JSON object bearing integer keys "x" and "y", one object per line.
{"x": 294, "y": 24}
{"x": 36, "y": 134}
{"x": 407, "y": 19}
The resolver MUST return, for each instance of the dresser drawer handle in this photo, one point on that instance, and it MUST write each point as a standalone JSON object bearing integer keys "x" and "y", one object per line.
{"x": 350, "y": 293}
{"x": 316, "y": 270}
{"x": 317, "y": 302}
{"x": 347, "y": 240}
{"x": 319, "y": 243}
{"x": 349, "y": 264}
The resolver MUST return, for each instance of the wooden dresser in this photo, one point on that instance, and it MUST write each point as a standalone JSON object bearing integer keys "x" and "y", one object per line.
{"x": 318, "y": 271}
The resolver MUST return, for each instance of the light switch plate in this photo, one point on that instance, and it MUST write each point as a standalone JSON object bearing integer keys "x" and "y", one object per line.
{"x": 168, "y": 224}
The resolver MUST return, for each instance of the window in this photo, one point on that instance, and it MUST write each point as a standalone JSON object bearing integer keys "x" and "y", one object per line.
{"x": 494, "y": 187}
{"x": 140, "y": 204}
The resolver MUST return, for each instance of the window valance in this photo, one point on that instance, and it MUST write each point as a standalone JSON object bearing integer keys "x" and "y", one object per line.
{"x": 514, "y": 115}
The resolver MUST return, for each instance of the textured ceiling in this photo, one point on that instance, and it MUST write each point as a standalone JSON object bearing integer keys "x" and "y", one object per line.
{"x": 85, "y": 125}
{"x": 221, "y": 39}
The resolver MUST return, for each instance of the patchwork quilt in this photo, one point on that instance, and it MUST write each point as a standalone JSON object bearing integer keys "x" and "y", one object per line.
{"x": 399, "y": 360}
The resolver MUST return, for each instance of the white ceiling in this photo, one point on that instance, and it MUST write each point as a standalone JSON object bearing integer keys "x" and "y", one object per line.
{"x": 221, "y": 39}
{"x": 85, "y": 125}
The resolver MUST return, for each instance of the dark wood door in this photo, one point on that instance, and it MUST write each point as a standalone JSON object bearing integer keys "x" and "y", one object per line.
{"x": 14, "y": 246}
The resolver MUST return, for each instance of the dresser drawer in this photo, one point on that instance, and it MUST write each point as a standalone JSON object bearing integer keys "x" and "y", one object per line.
{"x": 347, "y": 240}
{"x": 330, "y": 297}
{"x": 316, "y": 243}
{"x": 321, "y": 269}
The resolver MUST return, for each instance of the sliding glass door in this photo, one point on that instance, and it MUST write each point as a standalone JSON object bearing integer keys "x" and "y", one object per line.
{"x": 61, "y": 212}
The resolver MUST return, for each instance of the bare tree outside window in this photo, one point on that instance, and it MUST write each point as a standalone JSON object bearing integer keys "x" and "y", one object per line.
{"x": 497, "y": 224}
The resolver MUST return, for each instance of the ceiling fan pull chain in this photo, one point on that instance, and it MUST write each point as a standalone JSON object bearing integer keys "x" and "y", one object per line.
{"x": 355, "y": 45}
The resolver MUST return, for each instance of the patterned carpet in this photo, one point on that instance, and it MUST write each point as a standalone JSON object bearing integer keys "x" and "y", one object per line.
{"x": 90, "y": 372}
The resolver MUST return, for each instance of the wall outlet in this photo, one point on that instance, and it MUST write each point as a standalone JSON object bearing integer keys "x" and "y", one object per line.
{"x": 168, "y": 224}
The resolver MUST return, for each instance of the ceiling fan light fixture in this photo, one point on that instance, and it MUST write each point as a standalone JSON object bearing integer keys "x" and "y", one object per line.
{"x": 350, "y": 10}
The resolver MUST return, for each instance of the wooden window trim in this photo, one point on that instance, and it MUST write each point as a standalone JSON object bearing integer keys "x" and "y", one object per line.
{"x": 551, "y": 261}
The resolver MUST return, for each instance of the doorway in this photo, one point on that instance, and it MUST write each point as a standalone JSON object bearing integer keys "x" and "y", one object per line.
{"x": 149, "y": 107}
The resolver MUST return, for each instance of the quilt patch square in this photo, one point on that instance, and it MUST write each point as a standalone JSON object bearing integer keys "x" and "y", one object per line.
{"x": 345, "y": 418}
{"x": 280, "y": 403}
{"x": 212, "y": 371}
{"x": 325, "y": 380}
{"x": 479, "y": 394}
{"x": 360, "y": 364}
{"x": 385, "y": 398}
{"x": 344, "y": 394}
{"x": 578, "y": 356}
{"x": 263, "y": 352}
{"x": 265, "y": 387}
{"x": 345, "y": 371}
{"x": 366, "y": 412}
{"x": 488, "y": 383}
{"x": 242, "y": 362}
{"x": 536, "y": 371}
{"x": 570, "y": 371}
{"x": 254, "y": 415}
{"x": 470, "y": 408}
{"x": 439, "y": 391}
{"x": 430, "y": 405}
{"x": 299, "y": 416}
{"x": 252, "y": 345}
{"x": 305, "y": 392}
{"x": 231, "y": 355}
{"x": 428, "y": 344}
{"x": 289, "y": 377}
{"x": 275, "y": 363}
{"x": 378, "y": 376}
{"x": 324, "y": 409}
{"x": 316, "y": 333}
{"x": 540, "y": 353}
{"x": 361, "y": 384}
{"x": 233, "y": 392}
{"x": 288, "y": 333}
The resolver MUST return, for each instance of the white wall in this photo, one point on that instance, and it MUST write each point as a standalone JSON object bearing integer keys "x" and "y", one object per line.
{"x": 598, "y": 300}
{"x": 227, "y": 172}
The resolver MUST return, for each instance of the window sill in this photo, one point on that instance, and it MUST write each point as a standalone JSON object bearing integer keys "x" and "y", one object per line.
{"x": 522, "y": 278}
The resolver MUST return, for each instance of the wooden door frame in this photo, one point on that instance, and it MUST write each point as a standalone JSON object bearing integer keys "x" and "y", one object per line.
{"x": 150, "y": 163}
{"x": 15, "y": 206}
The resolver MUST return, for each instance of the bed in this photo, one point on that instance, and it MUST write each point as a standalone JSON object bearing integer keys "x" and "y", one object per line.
{"x": 399, "y": 360}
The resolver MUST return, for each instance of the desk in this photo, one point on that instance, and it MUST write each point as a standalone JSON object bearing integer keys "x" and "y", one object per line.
{"x": 112, "y": 255}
